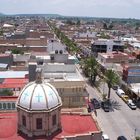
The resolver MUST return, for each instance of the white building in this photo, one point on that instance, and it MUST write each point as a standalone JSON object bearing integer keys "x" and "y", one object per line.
{"x": 59, "y": 69}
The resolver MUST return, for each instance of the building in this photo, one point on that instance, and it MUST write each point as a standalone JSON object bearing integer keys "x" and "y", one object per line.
{"x": 6, "y": 59}
{"x": 39, "y": 109}
{"x": 75, "y": 126}
{"x": 8, "y": 103}
{"x": 131, "y": 73}
{"x": 105, "y": 46}
{"x": 113, "y": 57}
{"x": 59, "y": 69}
{"x": 39, "y": 116}
{"x": 55, "y": 45}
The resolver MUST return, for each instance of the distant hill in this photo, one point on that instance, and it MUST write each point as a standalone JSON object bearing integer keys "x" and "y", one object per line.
{"x": 43, "y": 15}
{"x": 1, "y": 14}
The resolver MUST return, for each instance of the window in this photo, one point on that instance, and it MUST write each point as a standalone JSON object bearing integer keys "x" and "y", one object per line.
{"x": 13, "y": 105}
{"x": 54, "y": 120}
{"x": 39, "y": 123}
{"x": 75, "y": 99}
{"x": 4, "y": 105}
{"x": 0, "y": 106}
{"x": 24, "y": 120}
{"x": 9, "y": 106}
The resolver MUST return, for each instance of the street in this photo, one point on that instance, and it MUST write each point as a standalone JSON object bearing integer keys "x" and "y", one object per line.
{"x": 121, "y": 120}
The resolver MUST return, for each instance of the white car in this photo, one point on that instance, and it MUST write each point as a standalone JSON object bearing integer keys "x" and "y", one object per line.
{"x": 120, "y": 92}
{"x": 131, "y": 105}
{"x": 105, "y": 137}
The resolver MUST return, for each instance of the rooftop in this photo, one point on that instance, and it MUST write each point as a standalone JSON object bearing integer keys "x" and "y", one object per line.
{"x": 14, "y": 83}
{"x": 113, "y": 54}
{"x": 13, "y": 74}
{"x": 76, "y": 124}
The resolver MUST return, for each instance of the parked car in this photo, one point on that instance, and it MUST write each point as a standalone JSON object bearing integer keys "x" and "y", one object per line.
{"x": 105, "y": 106}
{"x": 115, "y": 87}
{"x": 90, "y": 107}
{"x": 121, "y": 138}
{"x": 95, "y": 103}
{"x": 125, "y": 98}
{"x": 105, "y": 137}
{"x": 131, "y": 104}
{"x": 120, "y": 92}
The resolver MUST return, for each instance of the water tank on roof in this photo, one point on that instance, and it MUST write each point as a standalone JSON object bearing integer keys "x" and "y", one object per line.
{"x": 56, "y": 51}
{"x": 61, "y": 51}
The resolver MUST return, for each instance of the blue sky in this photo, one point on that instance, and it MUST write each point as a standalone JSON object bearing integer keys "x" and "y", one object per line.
{"x": 95, "y": 8}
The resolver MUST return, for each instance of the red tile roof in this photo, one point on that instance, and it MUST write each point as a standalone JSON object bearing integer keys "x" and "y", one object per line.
{"x": 71, "y": 125}
{"x": 14, "y": 83}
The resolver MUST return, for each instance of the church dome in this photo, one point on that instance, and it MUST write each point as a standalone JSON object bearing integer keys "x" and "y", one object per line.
{"x": 39, "y": 96}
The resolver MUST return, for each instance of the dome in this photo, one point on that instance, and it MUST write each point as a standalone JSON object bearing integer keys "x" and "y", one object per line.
{"x": 39, "y": 97}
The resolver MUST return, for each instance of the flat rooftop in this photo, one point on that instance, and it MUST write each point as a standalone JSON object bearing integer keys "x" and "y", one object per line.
{"x": 13, "y": 74}
{"x": 72, "y": 124}
{"x": 113, "y": 54}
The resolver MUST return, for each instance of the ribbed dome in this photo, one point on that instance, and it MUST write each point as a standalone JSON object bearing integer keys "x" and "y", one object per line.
{"x": 39, "y": 97}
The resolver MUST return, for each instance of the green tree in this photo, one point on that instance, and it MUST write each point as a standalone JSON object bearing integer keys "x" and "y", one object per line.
{"x": 110, "y": 26}
{"x": 137, "y": 138}
{"x": 6, "y": 92}
{"x": 91, "y": 68}
{"x": 17, "y": 51}
{"x": 105, "y": 26}
{"x": 78, "y": 22}
{"x": 1, "y": 32}
{"x": 111, "y": 79}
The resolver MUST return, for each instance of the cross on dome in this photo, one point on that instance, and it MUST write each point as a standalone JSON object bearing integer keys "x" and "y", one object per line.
{"x": 25, "y": 95}
{"x": 39, "y": 97}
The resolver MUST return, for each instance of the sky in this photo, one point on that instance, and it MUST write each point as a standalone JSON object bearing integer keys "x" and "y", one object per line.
{"x": 93, "y": 8}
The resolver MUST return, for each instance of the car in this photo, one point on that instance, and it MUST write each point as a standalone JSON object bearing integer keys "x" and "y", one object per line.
{"x": 95, "y": 103}
{"x": 105, "y": 106}
{"x": 121, "y": 138}
{"x": 105, "y": 137}
{"x": 115, "y": 87}
{"x": 125, "y": 98}
{"x": 131, "y": 104}
{"x": 120, "y": 92}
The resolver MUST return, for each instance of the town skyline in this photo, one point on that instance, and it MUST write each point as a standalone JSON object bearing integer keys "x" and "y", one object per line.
{"x": 92, "y": 8}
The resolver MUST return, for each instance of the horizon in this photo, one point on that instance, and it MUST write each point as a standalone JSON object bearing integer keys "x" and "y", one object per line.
{"x": 67, "y": 16}
{"x": 76, "y": 8}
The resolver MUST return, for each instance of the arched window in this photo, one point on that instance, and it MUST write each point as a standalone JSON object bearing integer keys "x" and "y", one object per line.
{"x": 0, "y": 106}
{"x": 13, "y": 105}
{"x": 54, "y": 120}
{"x": 39, "y": 123}
{"x": 9, "y": 105}
{"x": 23, "y": 120}
{"x": 4, "y": 106}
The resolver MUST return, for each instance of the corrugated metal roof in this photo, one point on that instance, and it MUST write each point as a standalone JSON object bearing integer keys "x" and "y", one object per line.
{"x": 13, "y": 74}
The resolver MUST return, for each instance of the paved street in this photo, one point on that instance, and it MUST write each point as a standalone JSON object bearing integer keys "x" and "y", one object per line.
{"x": 121, "y": 120}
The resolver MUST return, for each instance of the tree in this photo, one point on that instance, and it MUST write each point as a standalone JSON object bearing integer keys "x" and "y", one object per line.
{"x": 17, "y": 51}
{"x": 105, "y": 26}
{"x": 111, "y": 79}
{"x": 91, "y": 68}
{"x": 78, "y": 22}
{"x": 110, "y": 26}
